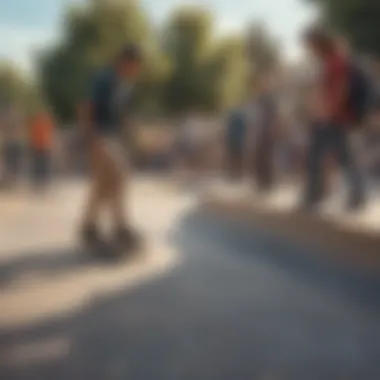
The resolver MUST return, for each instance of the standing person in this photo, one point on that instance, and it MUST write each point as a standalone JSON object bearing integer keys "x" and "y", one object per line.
{"x": 333, "y": 117}
{"x": 189, "y": 147}
{"x": 13, "y": 128}
{"x": 235, "y": 143}
{"x": 41, "y": 144}
{"x": 267, "y": 120}
{"x": 187, "y": 143}
{"x": 103, "y": 117}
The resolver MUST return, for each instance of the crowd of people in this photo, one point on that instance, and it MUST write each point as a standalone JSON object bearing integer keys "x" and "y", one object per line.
{"x": 27, "y": 144}
{"x": 302, "y": 133}
{"x": 333, "y": 124}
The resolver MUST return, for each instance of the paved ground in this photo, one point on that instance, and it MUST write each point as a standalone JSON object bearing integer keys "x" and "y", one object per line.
{"x": 286, "y": 198}
{"x": 209, "y": 300}
{"x": 339, "y": 234}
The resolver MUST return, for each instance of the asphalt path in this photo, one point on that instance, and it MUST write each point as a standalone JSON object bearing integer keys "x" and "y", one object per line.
{"x": 210, "y": 298}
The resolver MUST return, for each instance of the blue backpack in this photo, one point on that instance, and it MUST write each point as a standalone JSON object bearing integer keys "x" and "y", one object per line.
{"x": 360, "y": 93}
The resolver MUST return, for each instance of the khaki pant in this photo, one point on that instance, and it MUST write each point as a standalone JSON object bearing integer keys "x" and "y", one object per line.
{"x": 107, "y": 163}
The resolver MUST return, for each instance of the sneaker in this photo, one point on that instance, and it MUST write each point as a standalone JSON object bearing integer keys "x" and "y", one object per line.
{"x": 91, "y": 236}
{"x": 356, "y": 203}
{"x": 128, "y": 237}
{"x": 310, "y": 204}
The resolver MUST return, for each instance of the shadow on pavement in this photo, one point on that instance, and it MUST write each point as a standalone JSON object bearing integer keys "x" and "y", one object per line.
{"x": 306, "y": 262}
{"x": 214, "y": 317}
{"x": 50, "y": 262}
{"x": 349, "y": 239}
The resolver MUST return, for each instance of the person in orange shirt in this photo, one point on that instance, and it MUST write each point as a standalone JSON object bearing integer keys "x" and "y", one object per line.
{"x": 41, "y": 142}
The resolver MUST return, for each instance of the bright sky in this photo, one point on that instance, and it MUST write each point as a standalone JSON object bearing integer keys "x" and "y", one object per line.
{"x": 26, "y": 25}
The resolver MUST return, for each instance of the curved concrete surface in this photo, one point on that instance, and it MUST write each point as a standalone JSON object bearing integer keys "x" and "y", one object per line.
{"x": 237, "y": 304}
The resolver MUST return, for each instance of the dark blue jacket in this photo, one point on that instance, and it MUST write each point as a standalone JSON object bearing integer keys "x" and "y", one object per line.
{"x": 110, "y": 99}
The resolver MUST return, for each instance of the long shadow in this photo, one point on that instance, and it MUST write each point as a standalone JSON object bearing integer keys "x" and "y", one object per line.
{"x": 53, "y": 261}
{"x": 302, "y": 261}
{"x": 205, "y": 320}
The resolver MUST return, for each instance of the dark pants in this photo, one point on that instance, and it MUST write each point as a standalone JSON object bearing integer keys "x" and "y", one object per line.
{"x": 41, "y": 167}
{"x": 234, "y": 162}
{"x": 264, "y": 163}
{"x": 13, "y": 160}
{"x": 327, "y": 139}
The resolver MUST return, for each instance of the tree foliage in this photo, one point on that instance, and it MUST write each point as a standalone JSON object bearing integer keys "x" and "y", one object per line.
{"x": 185, "y": 40}
{"x": 16, "y": 89}
{"x": 92, "y": 35}
{"x": 262, "y": 50}
{"x": 357, "y": 19}
{"x": 227, "y": 73}
{"x": 208, "y": 72}
{"x": 187, "y": 66}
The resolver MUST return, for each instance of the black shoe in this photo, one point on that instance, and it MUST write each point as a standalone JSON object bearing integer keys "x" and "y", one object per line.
{"x": 91, "y": 236}
{"x": 128, "y": 237}
{"x": 356, "y": 203}
{"x": 310, "y": 204}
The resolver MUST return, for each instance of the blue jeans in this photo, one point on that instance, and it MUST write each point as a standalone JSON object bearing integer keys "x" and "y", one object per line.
{"x": 41, "y": 167}
{"x": 333, "y": 139}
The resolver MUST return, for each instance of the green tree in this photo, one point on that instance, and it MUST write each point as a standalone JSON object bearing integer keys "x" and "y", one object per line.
{"x": 262, "y": 50}
{"x": 16, "y": 89}
{"x": 226, "y": 74}
{"x": 186, "y": 40}
{"x": 357, "y": 19}
{"x": 187, "y": 67}
{"x": 208, "y": 72}
{"x": 92, "y": 34}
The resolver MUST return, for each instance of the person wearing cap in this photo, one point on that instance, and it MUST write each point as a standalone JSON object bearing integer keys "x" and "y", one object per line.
{"x": 332, "y": 117}
{"x": 103, "y": 116}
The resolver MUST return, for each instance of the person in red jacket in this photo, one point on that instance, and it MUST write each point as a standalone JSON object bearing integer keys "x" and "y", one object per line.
{"x": 41, "y": 141}
{"x": 332, "y": 118}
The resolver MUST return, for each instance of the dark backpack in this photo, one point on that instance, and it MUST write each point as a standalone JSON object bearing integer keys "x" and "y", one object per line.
{"x": 360, "y": 93}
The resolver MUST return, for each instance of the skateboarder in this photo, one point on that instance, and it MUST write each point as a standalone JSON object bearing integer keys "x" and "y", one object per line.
{"x": 103, "y": 117}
